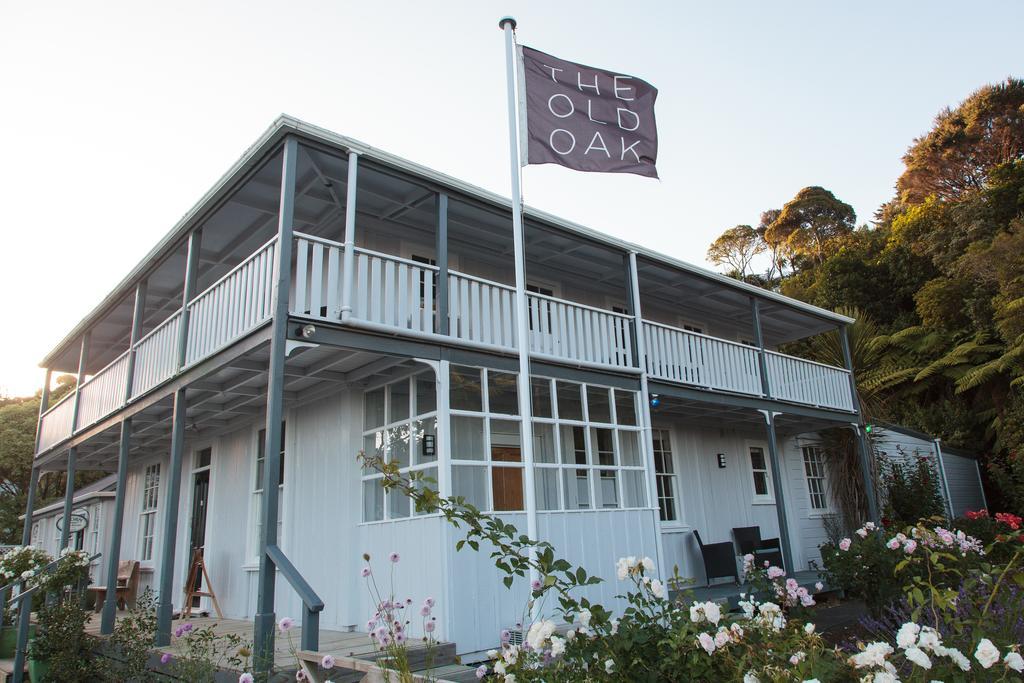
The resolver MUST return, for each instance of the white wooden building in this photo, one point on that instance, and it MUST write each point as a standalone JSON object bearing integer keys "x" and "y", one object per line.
{"x": 347, "y": 299}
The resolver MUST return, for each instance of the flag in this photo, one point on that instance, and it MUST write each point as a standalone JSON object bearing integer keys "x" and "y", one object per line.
{"x": 584, "y": 118}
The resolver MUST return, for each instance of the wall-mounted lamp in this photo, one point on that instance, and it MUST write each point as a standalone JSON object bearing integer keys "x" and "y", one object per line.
{"x": 429, "y": 446}
{"x": 721, "y": 461}
{"x": 307, "y": 331}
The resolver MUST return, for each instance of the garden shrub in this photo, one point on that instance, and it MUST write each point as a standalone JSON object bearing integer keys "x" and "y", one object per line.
{"x": 911, "y": 494}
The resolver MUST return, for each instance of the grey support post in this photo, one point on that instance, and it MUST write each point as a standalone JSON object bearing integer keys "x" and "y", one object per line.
{"x": 165, "y": 607}
{"x": 762, "y": 361}
{"x": 780, "y": 496}
{"x": 124, "y": 447}
{"x": 263, "y": 626}
{"x": 348, "y": 270}
{"x": 441, "y": 252}
{"x": 69, "y": 487}
{"x": 863, "y": 448}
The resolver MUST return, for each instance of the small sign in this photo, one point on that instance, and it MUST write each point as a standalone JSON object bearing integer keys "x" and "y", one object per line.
{"x": 79, "y": 521}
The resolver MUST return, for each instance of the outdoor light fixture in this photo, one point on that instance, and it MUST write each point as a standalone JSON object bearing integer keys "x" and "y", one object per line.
{"x": 655, "y": 401}
{"x": 429, "y": 446}
{"x": 307, "y": 331}
{"x": 721, "y": 461}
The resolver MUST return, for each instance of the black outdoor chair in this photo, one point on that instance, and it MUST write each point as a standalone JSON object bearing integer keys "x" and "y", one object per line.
{"x": 719, "y": 559}
{"x": 749, "y": 541}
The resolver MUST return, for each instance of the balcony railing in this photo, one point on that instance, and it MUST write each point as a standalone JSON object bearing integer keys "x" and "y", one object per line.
{"x": 400, "y": 295}
{"x": 703, "y": 361}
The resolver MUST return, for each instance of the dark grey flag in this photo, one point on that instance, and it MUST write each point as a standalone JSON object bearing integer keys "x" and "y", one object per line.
{"x": 585, "y": 118}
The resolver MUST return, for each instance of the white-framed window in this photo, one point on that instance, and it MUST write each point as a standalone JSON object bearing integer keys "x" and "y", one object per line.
{"x": 34, "y": 539}
{"x": 587, "y": 448}
{"x": 95, "y": 527}
{"x": 761, "y": 473}
{"x": 814, "y": 473}
{"x": 400, "y": 426}
{"x": 147, "y": 515}
{"x": 665, "y": 476}
{"x": 257, "y": 491}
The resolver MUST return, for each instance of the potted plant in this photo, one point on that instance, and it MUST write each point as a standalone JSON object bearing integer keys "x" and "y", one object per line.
{"x": 17, "y": 564}
{"x": 61, "y": 649}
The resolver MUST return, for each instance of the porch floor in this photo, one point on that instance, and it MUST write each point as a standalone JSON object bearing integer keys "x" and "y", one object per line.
{"x": 336, "y": 643}
{"x": 728, "y": 592}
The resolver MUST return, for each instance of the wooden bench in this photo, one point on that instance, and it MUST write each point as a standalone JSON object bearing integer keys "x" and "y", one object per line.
{"x": 127, "y": 586}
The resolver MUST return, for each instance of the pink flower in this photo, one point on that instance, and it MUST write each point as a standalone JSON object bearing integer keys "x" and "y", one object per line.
{"x": 430, "y": 626}
{"x": 481, "y": 671}
{"x": 910, "y": 546}
{"x": 300, "y": 675}
{"x": 893, "y": 544}
{"x": 365, "y": 572}
{"x": 775, "y": 572}
{"x": 505, "y": 636}
{"x": 706, "y": 642}
{"x": 535, "y": 585}
{"x": 844, "y": 544}
{"x": 429, "y": 602}
{"x": 165, "y": 657}
{"x": 286, "y": 624}
{"x": 327, "y": 662}
{"x": 425, "y": 611}
{"x": 819, "y": 586}
{"x": 245, "y": 678}
{"x": 394, "y": 557}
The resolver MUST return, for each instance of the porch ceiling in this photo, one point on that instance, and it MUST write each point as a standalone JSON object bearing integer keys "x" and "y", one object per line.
{"x": 701, "y": 414}
{"x": 235, "y": 395}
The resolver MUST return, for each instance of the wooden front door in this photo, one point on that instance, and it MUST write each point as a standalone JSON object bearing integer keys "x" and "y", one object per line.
{"x": 200, "y": 498}
{"x": 507, "y": 482}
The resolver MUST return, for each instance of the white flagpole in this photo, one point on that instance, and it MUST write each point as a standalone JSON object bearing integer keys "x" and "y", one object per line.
{"x": 508, "y": 24}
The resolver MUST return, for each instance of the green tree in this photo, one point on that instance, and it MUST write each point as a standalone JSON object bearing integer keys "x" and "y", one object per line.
{"x": 812, "y": 224}
{"x": 736, "y": 248}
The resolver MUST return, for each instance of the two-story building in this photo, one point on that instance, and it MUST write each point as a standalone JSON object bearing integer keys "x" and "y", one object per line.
{"x": 344, "y": 299}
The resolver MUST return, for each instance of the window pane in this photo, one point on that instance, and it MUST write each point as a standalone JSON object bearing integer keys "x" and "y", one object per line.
{"x": 374, "y": 411}
{"x": 629, "y": 449}
{"x": 608, "y": 489}
{"x": 426, "y": 393}
{"x": 570, "y": 405}
{"x": 625, "y": 407}
{"x": 505, "y": 437}
{"x": 470, "y": 482}
{"x": 373, "y": 446}
{"x": 465, "y": 389}
{"x": 577, "y": 489}
{"x": 507, "y": 488}
{"x": 633, "y": 490}
{"x": 203, "y": 457}
{"x": 373, "y": 501}
{"x": 398, "y": 445}
{"x": 543, "y": 442}
{"x": 501, "y": 393}
{"x": 398, "y": 504}
{"x": 425, "y": 445}
{"x": 598, "y": 404}
{"x": 398, "y": 409}
{"x": 760, "y": 483}
{"x": 467, "y": 438}
{"x": 547, "y": 488}
{"x": 757, "y": 458}
{"x": 601, "y": 440}
{"x": 574, "y": 445}
{"x": 541, "y": 389}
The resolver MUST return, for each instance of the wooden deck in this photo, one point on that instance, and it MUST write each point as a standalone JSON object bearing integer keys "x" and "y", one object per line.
{"x": 339, "y": 644}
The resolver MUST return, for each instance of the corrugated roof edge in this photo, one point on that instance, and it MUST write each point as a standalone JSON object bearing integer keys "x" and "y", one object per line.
{"x": 285, "y": 123}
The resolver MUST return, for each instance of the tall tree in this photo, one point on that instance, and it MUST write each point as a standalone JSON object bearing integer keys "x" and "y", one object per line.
{"x": 775, "y": 248}
{"x": 811, "y": 224}
{"x": 736, "y": 248}
{"x": 965, "y": 143}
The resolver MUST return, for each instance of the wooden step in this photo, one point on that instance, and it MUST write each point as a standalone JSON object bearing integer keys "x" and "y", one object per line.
{"x": 361, "y": 667}
{"x": 7, "y": 670}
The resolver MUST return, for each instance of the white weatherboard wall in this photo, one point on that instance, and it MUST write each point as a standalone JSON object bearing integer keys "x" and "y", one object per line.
{"x": 101, "y": 512}
{"x": 715, "y": 500}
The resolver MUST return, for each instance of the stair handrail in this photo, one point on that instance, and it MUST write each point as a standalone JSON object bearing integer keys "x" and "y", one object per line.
{"x": 311, "y": 602}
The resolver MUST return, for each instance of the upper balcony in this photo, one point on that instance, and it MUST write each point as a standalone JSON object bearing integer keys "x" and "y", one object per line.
{"x": 432, "y": 260}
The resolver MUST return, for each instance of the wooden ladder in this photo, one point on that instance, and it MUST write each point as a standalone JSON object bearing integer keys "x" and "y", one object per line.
{"x": 198, "y": 565}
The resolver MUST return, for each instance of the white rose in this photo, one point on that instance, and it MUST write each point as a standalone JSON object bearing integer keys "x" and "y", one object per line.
{"x": 657, "y": 589}
{"x": 648, "y": 564}
{"x": 584, "y": 617}
{"x": 907, "y": 635}
{"x": 499, "y": 667}
{"x": 712, "y": 612}
{"x": 1014, "y": 661}
{"x": 750, "y": 678}
{"x": 609, "y": 665}
{"x": 808, "y": 628}
{"x": 917, "y": 656}
{"x": 986, "y": 654}
{"x": 557, "y": 646}
{"x": 510, "y": 678}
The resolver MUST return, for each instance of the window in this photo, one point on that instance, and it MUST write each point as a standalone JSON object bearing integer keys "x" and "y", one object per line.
{"x": 34, "y": 540}
{"x": 426, "y": 274}
{"x": 400, "y": 426}
{"x": 814, "y": 471}
{"x": 762, "y": 476}
{"x": 665, "y": 476}
{"x": 95, "y": 527}
{"x": 257, "y": 490}
{"x": 586, "y": 443}
{"x": 147, "y": 517}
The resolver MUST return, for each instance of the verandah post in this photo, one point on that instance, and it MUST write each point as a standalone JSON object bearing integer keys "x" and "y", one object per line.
{"x": 348, "y": 273}
{"x": 69, "y": 485}
{"x": 780, "y": 497}
{"x": 441, "y": 252}
{"x": 263, "y": 626}
{"x": 762, "y": 359}
{"x": 124, "y": 446}
{"x": 863, "y": 448}
{"x": 165, "y": 607}
{"x": 645, "y": 406}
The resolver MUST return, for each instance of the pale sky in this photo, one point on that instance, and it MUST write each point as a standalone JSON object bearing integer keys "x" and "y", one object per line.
{"x": 119, "y": 115}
